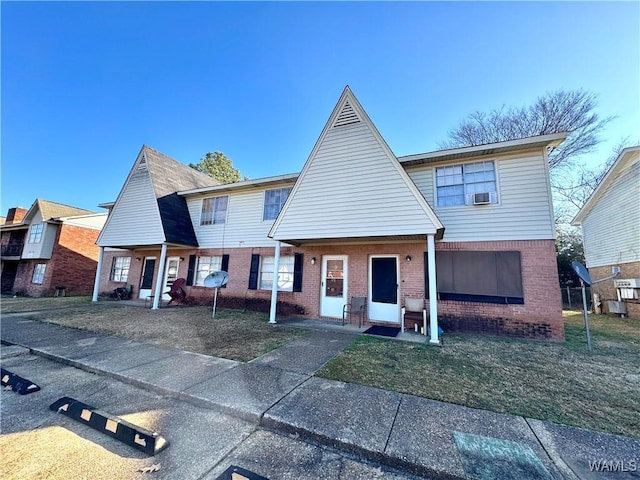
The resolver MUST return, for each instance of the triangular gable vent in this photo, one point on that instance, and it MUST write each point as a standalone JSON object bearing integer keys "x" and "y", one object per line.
{"x": 142, "y": 165}
{"x": 347, "y": 116}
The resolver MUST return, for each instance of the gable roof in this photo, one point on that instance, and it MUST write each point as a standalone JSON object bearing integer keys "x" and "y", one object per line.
{"x": 352, "y": 187}
{"x": 51, "y": 210}
{"x": 628, "y": 155}
{"x": 153, "y": 182}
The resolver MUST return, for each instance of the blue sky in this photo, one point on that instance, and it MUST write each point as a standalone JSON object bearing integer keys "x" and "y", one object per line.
{"x": 85, "y": 84}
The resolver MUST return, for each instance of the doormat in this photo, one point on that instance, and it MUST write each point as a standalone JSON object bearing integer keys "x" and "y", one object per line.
{"x": 382, "y": 331}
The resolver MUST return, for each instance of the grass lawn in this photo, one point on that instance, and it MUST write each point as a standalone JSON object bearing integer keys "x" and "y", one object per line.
{"x": 233, "y": 334}
{"x": 558, "y": 382}
{"x": 28, "y": 304}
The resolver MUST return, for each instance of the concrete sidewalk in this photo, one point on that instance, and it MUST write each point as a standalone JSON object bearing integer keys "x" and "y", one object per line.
{"x": 278, "y": 391}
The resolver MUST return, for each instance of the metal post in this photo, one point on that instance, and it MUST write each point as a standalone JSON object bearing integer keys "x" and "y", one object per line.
{"x": 215, "y": 301}
{"x": 274, "y": 287}
{"x": 96, "y": 283}
{"x": 569, "y": 296}
{"x": 586, "y": 315}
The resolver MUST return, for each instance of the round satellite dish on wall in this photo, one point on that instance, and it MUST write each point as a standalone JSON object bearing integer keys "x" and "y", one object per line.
{"x": 216, "y": 279}
{"x": 582, "y": 272}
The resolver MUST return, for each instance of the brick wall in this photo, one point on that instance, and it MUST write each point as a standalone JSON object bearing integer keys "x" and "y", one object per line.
{"x": 24, "y": 275}
{"x": 74, "y": 260}
{"x": 72, "y": 264}
{"x": 539, "y": 317}
{"x": 15, "y": 215}
{"x": 541, "y": 314}
{"x": 607, "y": 290}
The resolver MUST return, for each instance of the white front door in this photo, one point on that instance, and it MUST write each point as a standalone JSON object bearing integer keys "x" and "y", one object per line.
{"x": 384, "y": 282}
{"x": 333, "y": 295}
{"x": 170, "y": 275}
{"x": 146, "y": 284}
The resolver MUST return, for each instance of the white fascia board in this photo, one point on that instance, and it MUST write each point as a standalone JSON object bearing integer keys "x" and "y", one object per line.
{"x": 549, "y": 140}
{"x": 307, "y": 163}
{"x": 257, "y": 183}
{"x": 124, "y": 186}
{"x": 347, "y": 93}
{"x": 403, "y": 173}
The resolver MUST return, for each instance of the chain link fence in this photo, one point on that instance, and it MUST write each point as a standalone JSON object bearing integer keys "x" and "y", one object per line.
{"x": 572, "y": 297}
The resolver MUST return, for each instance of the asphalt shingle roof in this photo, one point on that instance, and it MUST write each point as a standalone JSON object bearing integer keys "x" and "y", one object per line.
{"x": 51, "y": 210}
{"x": 169, "y": 176}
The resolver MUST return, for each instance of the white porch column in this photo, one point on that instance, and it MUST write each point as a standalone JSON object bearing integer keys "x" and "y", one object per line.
{"x": 433, "y": 291}
{"x": 274, "y": 287}
{"x": 157, "y": 295}
{"x": 96, "y": 283}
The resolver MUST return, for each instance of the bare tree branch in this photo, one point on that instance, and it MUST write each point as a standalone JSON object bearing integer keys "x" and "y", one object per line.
{"x": 572, "y": 112}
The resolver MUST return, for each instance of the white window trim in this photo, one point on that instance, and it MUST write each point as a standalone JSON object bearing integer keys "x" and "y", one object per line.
{"x": 40, "y": 275}
{"x": 112, "y": 276}
{"x": 264, "y": 202}
{"x": 466, "y": 205}
{"x": 38, "y": 234}
{"x": 285, "y": 262}
{"x": 213, "y": 222}
{"x": 218, "y": 262}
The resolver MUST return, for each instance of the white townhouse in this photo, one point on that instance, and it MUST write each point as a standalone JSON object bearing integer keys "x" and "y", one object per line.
{"x": 610, "y": 222}
{"x": 469, "y": 232}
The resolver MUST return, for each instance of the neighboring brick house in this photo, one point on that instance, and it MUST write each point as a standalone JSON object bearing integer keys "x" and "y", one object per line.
{"x": 50, "y": 245}
{"x": 356, "y": 221}
{"x": 610, "y": 221}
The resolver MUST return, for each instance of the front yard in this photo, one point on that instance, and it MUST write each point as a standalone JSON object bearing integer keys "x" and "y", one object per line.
{"x": 559, "y": 382}
{"x": 233, "y": 334}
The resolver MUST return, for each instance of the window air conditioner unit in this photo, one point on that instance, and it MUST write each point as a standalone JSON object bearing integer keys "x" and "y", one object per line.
{"x": 481, "y": 198}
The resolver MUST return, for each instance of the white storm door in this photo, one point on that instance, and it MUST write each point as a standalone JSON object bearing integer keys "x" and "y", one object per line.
{"x": 333, "y": 286}
{"x": 170, "y": 275}
{"x": 384, "y": 282}
{"x": 146, "y": 284}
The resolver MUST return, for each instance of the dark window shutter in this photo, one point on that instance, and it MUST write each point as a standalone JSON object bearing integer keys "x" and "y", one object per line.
{"x": 298, "y": 262}
{"x": 225, "y": 266}
{"x": 253, "y": 272}
{"x": 191, "y": 273}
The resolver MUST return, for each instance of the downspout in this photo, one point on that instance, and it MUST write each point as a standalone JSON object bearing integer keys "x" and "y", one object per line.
{"x": 158, "y": 292}
{"x": 96, "y": 283}
{"x": 433, "y": 291}
{"x": 274, "y": 286}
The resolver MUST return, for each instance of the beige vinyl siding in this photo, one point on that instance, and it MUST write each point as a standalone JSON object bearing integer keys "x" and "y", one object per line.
{"x": 611, "y": 229}
{"x": 135, "y": 219}
{"x": 95, "y": 222}
{"x": 523, "y": 212}
{"x": 244, "y": 226}
{"x": 44, "y": 247}
{"x": 351, "y": 188}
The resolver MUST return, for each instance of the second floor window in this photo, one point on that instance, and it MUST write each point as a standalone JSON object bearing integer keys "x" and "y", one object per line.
{"x": 35, "y": 234}
{"x": 274, "y": 201}
{"x": 457, "y": 184}
{"x": 214, "y": 210}
{"x": 120, "y": 269}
